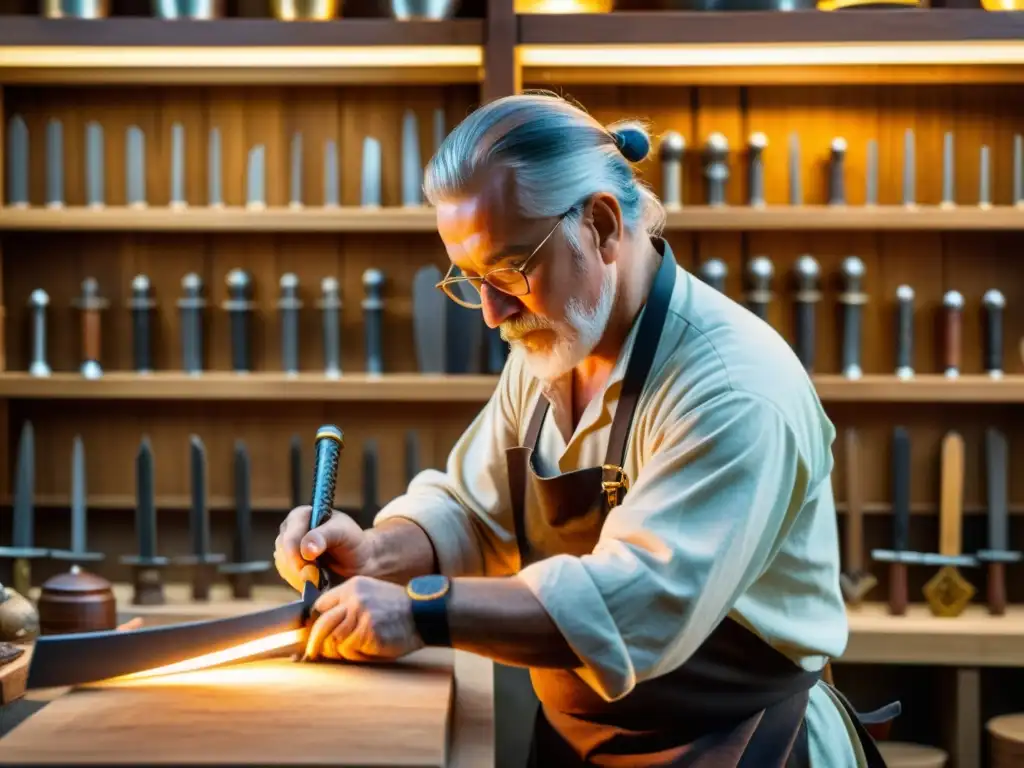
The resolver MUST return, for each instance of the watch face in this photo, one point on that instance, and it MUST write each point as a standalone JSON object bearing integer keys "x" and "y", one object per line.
{"x": 428, "y": 587}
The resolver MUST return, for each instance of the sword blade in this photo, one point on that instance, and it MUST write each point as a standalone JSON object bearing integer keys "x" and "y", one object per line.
{"x": 199, "y": 517}
{"x": 996, "y": 479}
{"x": 145, "y": 520}
{"x": 243, "y": 505}
{"x": 24, "y": 489}
{"x": 78, "y": 496}
{"x": 76, "y": 659}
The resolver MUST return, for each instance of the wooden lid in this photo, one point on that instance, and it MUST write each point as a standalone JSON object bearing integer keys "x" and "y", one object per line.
{"x": 900, "y": 754}
{"x": 1007, "y": 727}
{"x": 76, "y": 582}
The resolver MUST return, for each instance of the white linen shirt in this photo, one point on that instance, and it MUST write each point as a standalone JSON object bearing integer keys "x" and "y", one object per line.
{"x": 730, "y": 509}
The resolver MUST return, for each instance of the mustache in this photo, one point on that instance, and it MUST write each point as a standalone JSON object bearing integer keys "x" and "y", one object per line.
{"x": 516, "y": 328}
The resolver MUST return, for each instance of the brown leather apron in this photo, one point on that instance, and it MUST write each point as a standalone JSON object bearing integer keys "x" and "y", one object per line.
{"x": 736, "y": 702}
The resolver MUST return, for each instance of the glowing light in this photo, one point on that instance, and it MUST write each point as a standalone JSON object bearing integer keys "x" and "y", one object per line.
{"x": 234, "y": 653}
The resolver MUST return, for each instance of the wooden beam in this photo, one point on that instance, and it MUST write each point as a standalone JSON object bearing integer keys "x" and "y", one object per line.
{"x": 502, "y": 73}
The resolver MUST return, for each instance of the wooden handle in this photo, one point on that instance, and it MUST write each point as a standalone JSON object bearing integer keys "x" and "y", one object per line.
{"x": 91, "y": 334}
{"x": 996, "y": 589}
{"x": 854, "y": 504}
{"x": 951, "y": 510}
{"x": 898, "y": 593}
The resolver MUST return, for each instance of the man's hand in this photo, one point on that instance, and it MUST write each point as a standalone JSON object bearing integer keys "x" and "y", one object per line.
{"x": 348, "y": 549}
{"x": 363, "y": 619}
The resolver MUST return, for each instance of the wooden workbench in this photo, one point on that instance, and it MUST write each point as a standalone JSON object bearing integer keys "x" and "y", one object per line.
{"x": 434, "y": 708}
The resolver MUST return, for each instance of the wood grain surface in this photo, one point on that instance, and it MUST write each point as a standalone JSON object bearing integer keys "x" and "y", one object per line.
{"x": 270, "y": 712}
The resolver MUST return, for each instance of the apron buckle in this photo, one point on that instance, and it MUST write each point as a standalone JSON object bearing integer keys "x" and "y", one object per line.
{"x": 613, "y": 489}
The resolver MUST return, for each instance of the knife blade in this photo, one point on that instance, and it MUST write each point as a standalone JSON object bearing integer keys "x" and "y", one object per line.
{"x": 428, "y": 311}
{"x": 242, "y": 567}
{"x": 256, "y": 194}
{"x": 54, "y": 164}
{"x": 214, "y": 174}
{"x": 135, "y": 167}
{"x": 295, "y": 181}
{"x": 412, "y": 170}
{"x": 178, "y": 166}
{"x": 78, "y": 553}
{"x": 95, "y": 183}
{"x": 77, "y": 659}
{"x": 998, "y": 553}
{"x": 17, "y": 162}
{"x": 332, "y": 197}
{"x": 370, "y": 197}
{"x": 146, "y": 565}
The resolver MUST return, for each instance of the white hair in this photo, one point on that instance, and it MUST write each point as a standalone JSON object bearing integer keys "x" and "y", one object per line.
{"x": 559, "y": 156}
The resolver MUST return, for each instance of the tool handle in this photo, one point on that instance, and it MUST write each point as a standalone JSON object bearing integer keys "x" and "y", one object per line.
{"x": 328, "y": 446}
{"x": 997, "y": 589}
{"x": 898, "y": 589}
{"x": 951, "y": 511}
{"x": 953, "y": 304}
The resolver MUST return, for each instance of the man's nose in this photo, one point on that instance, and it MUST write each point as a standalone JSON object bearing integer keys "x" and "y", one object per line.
{"x": 496, "y": 306}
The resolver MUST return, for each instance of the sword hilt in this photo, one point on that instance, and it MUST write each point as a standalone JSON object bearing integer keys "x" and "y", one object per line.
{"x": 328, "y": 446}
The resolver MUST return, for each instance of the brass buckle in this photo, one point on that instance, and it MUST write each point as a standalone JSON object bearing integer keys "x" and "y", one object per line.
{"x": 613, "y": 488}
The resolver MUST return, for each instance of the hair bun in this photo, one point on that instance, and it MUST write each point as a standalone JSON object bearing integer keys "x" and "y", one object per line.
{"x": 633, "y": 142}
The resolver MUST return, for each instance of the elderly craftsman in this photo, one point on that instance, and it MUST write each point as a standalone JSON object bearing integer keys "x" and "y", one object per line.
{"x": 642, "y": 513}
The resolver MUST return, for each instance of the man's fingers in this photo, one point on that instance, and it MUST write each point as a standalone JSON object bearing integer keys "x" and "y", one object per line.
{"x": 321, "y": 628}
{"x": 330, "y": 598}
{"x": 335, "y": 533}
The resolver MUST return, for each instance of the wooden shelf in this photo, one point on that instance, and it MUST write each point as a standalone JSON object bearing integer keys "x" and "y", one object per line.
{"x": 972, "y": 639}
{"x": 230, "y": 219}
{"x": 422, "y": 219}
{"x": 910, "y": 46}
{"x": 412, "y": 387}
{"x": 222, "y": 385}
{"x": 146, "y": 50}
{"x": 128, "y": 502}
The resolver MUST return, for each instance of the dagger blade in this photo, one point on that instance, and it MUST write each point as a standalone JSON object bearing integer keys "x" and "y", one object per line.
{"x": 200, "y": 519}
{"x": 996, "y": 462}
{"x": 145, "y": 494}
{"x": 78, "y": 495}
{"x": 94, "y": 165}
{"x": 243, "y": 504}
{"x": 17, "y": 162}
{"x": 24, "y": 490}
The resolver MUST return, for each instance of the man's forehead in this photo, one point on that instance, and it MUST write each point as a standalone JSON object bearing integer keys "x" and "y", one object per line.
{"x": 473, "y": 227}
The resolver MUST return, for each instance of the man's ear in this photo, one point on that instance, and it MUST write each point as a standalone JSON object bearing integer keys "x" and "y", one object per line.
{"x": 604, "y": 215}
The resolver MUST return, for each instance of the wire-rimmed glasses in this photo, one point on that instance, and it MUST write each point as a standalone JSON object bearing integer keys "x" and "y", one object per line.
{"x": 512, "y": 281}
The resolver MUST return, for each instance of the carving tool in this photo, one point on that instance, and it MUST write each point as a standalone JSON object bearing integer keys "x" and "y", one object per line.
{"x": 995, "y": 304}
{"x": 17, "y": 162}
{"x": 142, "y": 305}
{"x": 904, "y": 332}
{"x": 256, "y": 182}
{"x": 855, "y": 581}
{"x": 239, "y": 306}
{"x": 755, "y": 168}
{"x": 295, "y": 185}
{"x": 759, "y": 281}
{"x": 670, "y": 152}
{"x": 330, "y": 305}
{"x": 135, "y": 167}
{"x": 948, "y": 172}
{"x": 54, "y": 164}
{"x": 836, "y": 178}
{"x": 871, "y": 174}
{"x": 909, "y": 170}
{"x": 984, "y": 180}
{"x": 373, "y": 311}
{"x": 332, "y": 197}
{"x": 178, "y": 199}
{"x": 201, "y": 561}
{"x": 146, "y": 565}
{"x": 191, "y": 306}
{"x": 998, "y": 554}
{"x": 242, "y": 567}
{"x": 214, "y": 172}
{"x": 713, "y": 272}
{"x": 23, "y": 550}
{"x": 38, "y": 301}
{"x": 78, "y": 554}
{"x": 948, "y": 593}
{"x": 95, "y": 183}
{"x": 716, "y": 168}
{"x": 289, "y": 304}
{"x": 412, "y": 169}
{"x": 91, "y": 304}
{"x": 428, "y": 311}
{"x": 853, "y": 300}
{"x": 898, "y": 557}
{"x": 806, "y": 301}
{"x": 953, "y": 308}
{"x": 370, "y": 197}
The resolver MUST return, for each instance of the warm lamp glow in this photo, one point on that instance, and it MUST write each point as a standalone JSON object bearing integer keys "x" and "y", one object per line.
{"x": 563, "y": 6}
{"x": 127, "y": 57}
{"x": 234, "y": 653}
{"x": 792, "y": 55}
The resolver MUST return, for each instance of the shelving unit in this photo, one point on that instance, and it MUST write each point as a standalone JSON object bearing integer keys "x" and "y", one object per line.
{"x": 869, "y": 75}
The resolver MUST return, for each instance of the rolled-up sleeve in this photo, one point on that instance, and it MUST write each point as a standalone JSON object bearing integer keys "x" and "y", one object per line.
{"x": 464, "y": 509}
{"x": 700, "y": 523}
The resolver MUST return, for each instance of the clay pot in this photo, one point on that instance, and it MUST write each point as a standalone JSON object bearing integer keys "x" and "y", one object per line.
{"x": 76, "y": 601}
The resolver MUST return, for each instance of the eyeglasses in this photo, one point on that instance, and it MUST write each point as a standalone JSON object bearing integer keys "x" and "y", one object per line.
{"x": 509, "y": 280}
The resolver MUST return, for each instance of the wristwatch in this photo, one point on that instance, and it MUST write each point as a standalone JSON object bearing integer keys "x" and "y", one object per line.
{"x": 429, "y": 595}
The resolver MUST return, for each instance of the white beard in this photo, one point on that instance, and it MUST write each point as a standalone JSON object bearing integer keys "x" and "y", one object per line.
{"x": 577, "y": 335}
